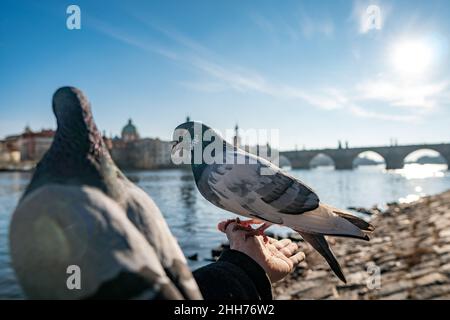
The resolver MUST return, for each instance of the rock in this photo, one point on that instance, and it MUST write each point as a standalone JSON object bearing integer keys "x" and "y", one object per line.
{"x": 362, "y": 210}
{"x": 442, "y": 249}
{"x": 388, "y": 289}
{"x": 215, "y": 253}
{"x": 318, "y": 292}
{"x": 429, "y": 279}
{"x": 193, "y": 257}
{"x": 397, "y": 296}
{"x": 431, "y": 292}
{"x": 445, "y": 269}
{"x": 411, "y": 246}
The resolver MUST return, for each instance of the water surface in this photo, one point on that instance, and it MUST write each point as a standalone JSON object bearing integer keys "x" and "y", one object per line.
{"x": 193, "y": 220}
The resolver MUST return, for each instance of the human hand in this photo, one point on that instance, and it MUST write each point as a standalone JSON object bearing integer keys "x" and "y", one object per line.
{"x": 277, "y": 258}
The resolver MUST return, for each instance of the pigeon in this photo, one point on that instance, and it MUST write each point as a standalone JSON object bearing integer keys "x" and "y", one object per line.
{"x": 251, "y": 186}
{"x": 80, "y": 212}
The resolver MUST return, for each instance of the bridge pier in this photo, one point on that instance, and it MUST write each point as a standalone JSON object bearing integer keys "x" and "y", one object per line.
{"x": 302, "y": 164}
{"x": 343, "y": 161}
{"x": 393, "y": 163}
{"x": 447, "y": 158}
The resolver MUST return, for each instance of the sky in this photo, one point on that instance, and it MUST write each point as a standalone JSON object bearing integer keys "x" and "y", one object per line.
{"x": 318, "y": 71}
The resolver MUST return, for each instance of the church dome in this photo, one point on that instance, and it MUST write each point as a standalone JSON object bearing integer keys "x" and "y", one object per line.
{"x": 129, "y": 132}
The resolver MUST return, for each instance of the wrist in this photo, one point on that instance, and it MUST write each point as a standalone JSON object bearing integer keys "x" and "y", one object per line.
{"x": 252, "y": 268}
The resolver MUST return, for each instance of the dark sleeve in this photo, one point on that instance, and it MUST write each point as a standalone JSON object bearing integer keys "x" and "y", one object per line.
{"x": 234, "y": 276}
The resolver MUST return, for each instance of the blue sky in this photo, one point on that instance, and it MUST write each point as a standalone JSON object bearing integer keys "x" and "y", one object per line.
{"x": 311, "y": 69}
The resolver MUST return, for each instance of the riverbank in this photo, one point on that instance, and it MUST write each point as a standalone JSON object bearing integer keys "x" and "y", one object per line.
{"x": 18, "y": 167}
{"x": 410, "y": 246}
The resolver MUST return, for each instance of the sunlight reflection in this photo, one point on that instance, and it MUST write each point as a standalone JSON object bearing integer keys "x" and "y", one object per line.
{"x": 409, "y": 198}
{"x": 422, "y": 171}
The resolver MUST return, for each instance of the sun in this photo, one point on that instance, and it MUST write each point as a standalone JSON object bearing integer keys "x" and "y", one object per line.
{"x": 412, "y": 57}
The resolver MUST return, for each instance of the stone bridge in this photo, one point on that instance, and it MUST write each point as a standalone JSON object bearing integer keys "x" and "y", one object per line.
{"x": 343, "y": 158}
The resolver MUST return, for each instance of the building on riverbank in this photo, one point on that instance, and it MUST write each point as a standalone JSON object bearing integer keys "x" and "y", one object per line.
{"x": 129, "y": 151}
{"x": 28, "y": 146}
{"x": 132, "y": 152}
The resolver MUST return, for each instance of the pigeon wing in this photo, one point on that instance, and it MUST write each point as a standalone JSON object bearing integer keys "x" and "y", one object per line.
{"x": 255, "y": 180}
{"x": 147, "y": 218}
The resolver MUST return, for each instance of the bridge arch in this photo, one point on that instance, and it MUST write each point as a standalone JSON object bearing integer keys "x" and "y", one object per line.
{"x": 321, "y": 159}
{"x": 430, "y": 152}
{"x": 368, "y": 157}
{"x": 284, "y": 162}
{"x": 394, "y": 156}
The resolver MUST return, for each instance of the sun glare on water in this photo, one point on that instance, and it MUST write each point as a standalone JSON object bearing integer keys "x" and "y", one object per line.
{"x": 420, "y": 171}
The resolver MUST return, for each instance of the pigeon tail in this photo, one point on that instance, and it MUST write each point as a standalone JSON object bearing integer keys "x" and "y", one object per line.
{"x": 360, "y": 223}
{"x": 319, "y": 243}
{"x": 329, "y": 221}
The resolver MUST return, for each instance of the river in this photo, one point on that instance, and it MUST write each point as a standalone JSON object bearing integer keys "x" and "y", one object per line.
{"x": 193, "y": 220}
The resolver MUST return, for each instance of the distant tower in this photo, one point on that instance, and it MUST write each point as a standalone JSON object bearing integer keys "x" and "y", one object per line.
{"x": 268, "y": 150}
{"x": 346, "y": 144}
{"x": 188, "y": 119}
{"x": 339, "y": 144}
{"x": 236, "y": 139}
{"x": 129, "y": 132}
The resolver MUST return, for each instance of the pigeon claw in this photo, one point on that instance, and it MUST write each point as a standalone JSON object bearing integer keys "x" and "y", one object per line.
{"x": 246, "y": 226}
{"x": 257, "y": 232}
{"x": 243, "y": 225}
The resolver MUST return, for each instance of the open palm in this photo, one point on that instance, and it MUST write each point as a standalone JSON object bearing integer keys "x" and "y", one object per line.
{"x": 278, "y": 258}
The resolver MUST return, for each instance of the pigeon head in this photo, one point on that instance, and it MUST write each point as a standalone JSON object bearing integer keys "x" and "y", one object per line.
{"x": 75, "y": 121}
{"x": 72, "y": 111}
{"x": 196, "y": 143}
{"x": 77, "y": 151}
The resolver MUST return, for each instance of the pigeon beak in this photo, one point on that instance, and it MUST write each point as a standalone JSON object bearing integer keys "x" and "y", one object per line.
{"x": 174, "y": 143}
{"x": 176, "y": 147}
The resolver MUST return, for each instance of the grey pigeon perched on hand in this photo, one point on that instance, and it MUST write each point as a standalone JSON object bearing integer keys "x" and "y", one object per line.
{"x": 252, "y": 187}
{"x": 80, "y": 211}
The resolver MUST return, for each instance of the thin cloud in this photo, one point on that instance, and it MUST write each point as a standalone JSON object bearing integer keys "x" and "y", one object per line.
{"x": 224, "y": 76}
{"x": 294, "y": 27}
{"x": 131, "y": 40}
{"x": 405, "y": 95}
{"x": 313, "y": 26}
{"x": 364, "y": 113}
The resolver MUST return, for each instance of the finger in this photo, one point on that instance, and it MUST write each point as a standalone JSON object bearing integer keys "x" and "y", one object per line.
{"x": 222, "y": 225}
{"x": 282, "y": 243}
{"x": 297, "y": 258}
{"x": 272, "y": 240}
{"x": 290, "y": 249}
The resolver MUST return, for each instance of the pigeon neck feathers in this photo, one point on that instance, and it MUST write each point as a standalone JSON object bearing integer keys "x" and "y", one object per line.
{"x": 77, "y": 132}
{"x": 77, "y": 152}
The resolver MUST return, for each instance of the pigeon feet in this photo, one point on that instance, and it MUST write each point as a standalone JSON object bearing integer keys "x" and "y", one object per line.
{"x": 258, "y": 232}
{"x": 240, "y": 225}
{"x": 246, "y": 226}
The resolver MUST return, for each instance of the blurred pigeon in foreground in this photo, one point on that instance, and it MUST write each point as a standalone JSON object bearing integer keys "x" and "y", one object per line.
{"x": 80, "y": 211}
{"x": 237, "y": 185}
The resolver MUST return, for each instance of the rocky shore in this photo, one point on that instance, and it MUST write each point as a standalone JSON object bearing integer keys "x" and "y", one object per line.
{"x": 409, "y": 250}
